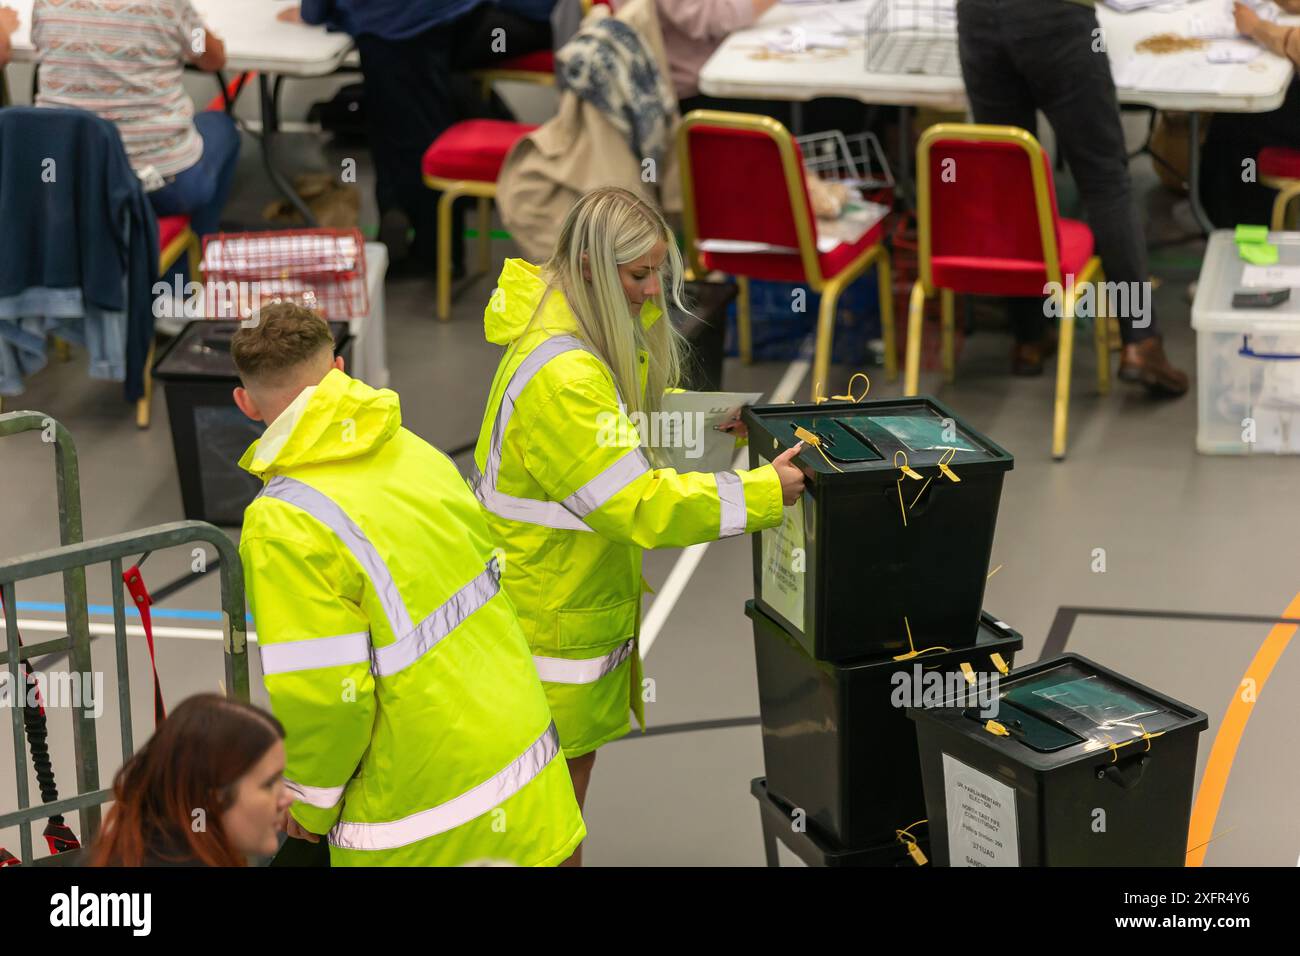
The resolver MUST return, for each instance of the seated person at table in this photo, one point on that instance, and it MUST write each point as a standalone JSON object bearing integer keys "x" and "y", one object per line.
{"x": 1228, "y": 195}
{"x": 692, "y": 31}
{"x": 123, "y": 62}
{"x": 8, "y": 26}
{"x": 409, "y": 52}
{"x": 1021, "y": 56}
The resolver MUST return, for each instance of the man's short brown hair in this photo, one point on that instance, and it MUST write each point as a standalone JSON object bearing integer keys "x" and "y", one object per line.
{"x": 285, "y": 335}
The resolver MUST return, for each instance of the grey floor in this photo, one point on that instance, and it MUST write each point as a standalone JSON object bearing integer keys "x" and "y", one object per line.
{"x": 1181, "y": 532}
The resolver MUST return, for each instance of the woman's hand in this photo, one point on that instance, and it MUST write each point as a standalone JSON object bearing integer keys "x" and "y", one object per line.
{"x": 1248, "y": 20}
{"x": 791, "y": 475}
{"x": 293, "y": 828}
{"x": 8, "y": 20}
{"x": 733, "y": 425}
{"x": 290, "y": 15}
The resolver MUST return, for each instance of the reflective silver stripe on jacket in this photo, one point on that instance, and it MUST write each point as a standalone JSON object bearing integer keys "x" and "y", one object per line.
{"x": 731, "y": 492}
{"x": 569, "y": 513}
{"x": 456, "y": 811}
{"x": 315, "y": 652}
{"x": 559, "y": 670}
{"x": 323, "y": 509}
{"x": 471, "y": 597}
{"x": 326, "y": 798}
{"x": 608, "y": 483}
{"x": 410, "y": 642}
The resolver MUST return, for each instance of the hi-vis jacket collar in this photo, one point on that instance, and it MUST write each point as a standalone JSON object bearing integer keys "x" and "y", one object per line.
{"x": 342, "y": 418}
{"x": 519, "y": 291}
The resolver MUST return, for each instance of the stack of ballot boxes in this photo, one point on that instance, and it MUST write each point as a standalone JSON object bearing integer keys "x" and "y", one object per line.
{"x": 867, "y": 601}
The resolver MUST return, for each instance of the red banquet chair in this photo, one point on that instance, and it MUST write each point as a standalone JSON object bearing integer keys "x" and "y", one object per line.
{"x": 988, "y": 224}
{"x": 465, "y": 161}
{"x": 743, "y": 180}
{"x": 1279, "y": 167}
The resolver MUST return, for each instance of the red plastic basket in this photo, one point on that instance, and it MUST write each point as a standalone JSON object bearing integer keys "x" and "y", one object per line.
{"x": 322, "y": 269}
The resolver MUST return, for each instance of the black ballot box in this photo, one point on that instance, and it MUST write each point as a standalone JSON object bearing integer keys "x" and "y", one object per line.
{"x": 837, "y": 741}
{"x": 784, "y": 824}
{"x": 1080, "y": 766}
{"x": 889, "y": 546}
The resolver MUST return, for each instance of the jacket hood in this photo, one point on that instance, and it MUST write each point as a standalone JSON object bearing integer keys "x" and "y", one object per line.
{"x": 520, "y": 288}
{"x": 338, "y": 419}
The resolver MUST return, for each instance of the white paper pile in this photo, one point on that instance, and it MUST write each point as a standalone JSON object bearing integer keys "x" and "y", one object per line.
{"x": 1233, "y": 51}
{"x": 1128, "y": 6}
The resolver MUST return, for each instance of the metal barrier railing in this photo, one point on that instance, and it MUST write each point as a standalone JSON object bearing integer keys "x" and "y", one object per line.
{"x": 71, "y": 559}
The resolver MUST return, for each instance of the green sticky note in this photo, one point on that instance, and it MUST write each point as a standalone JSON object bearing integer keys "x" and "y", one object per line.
{"x": 1251, "y": 234}
{"x": 1258, "y": 253}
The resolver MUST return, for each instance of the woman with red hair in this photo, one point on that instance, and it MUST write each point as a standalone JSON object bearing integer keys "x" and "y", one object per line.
{"x": 206, "y": 790}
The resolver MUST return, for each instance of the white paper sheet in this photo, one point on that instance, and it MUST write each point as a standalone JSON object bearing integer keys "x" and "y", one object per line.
{"x": 1270, "y": 277}
{"x": 687, "y": 434}
{"x": 1233, "y": 51}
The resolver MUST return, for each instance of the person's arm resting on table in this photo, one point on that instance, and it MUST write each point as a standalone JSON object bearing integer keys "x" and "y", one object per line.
{"x": 713, "y": 19}
{"x": 328, "y": 711}
{"x": 206, "y": 51}
{"x": 1274, "y": 37}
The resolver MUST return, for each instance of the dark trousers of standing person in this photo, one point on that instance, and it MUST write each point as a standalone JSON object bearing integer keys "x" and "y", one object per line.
{"x": 411, "y": 99}
{"x": 1229, "y": 194}
{"x": 1018, "y": 56}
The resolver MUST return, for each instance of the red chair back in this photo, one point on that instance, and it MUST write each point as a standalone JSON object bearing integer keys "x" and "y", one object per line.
{"x": 742, "y": 179}
{"x": 984, "y": 217}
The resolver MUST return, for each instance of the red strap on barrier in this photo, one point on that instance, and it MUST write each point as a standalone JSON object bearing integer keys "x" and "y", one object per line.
{"x": 140, "y": 594}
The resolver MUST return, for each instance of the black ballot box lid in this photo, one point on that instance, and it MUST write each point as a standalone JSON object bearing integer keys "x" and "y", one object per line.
{"x": 1069, "y": 709}
{"x": 870, "y": 440}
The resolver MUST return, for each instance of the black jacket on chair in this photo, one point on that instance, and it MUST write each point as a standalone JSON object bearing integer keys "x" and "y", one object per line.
{"x": 78, "y": 231}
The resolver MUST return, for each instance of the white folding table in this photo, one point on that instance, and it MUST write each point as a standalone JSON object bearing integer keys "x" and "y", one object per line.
{"x": 741, "y": 67}
{"x": 255, "y": 41}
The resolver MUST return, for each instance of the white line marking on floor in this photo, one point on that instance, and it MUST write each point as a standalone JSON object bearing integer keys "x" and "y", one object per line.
{"x": 132, "y": 630}
{"x": 690, "y": 559}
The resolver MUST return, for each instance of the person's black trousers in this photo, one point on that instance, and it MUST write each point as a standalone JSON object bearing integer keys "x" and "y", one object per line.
{"x": 411, "y": 99}
{"x": 1019, "y": 56}
{"x": 1230, "y": 196}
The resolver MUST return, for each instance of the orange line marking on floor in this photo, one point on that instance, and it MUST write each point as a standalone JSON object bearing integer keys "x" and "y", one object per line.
{"x": 1224, "y": 750}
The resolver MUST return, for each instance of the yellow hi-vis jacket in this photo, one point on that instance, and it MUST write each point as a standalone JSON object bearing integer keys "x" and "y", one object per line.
{"x": 573, "y": 500}
{"x": 417, "y": 730}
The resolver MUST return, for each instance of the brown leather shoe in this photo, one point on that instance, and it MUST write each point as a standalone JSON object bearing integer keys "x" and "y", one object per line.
{"x": 1145, "y": 362}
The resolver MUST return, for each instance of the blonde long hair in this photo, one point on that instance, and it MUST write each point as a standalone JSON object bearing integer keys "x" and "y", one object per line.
{"x": 612, "y": 227}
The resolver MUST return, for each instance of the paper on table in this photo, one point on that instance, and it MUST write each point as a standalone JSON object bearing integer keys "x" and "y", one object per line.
{"x": 1270, "y": 277}
{"x": 1174, "y": 73}
{"x": 687, "y": 434}
{"x": 800, "y": 39}
{"x": 1233, "y": 51}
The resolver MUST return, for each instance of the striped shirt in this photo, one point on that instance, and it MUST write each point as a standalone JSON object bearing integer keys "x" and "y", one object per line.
{"x": 123, "y": 60}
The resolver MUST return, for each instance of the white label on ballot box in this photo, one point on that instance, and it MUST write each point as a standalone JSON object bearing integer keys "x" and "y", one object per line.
{"x": 785, "y": 563}
{"x": 981, "y": 817}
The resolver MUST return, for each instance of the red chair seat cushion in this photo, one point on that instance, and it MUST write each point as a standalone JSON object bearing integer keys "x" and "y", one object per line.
{"x": 170, "y": 228}
{"x": 989, "y": 276}
{"x": 1279, "y": 161}
{"x": 788, "y": 267}
{"x": 539, "y": 61}
{"x": 473, "y": 149}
